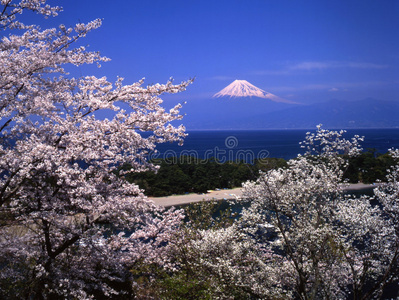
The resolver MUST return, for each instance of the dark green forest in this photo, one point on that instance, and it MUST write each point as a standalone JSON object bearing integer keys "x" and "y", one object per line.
{"x": 369, "y": 167}
{"x": 186, "y": 174}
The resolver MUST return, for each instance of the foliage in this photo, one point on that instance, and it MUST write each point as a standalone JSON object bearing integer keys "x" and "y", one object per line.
{"x": 332, "y": 245}
{"x": 57, "y": 186}
{"x": 369, "y": 167}
{"x": 301, "y": 237}
{"x": 192, "y": 277}
{"x": 73, "y": 228}
{"x": 211, "y": 214}
{"x": 180, "y": 175}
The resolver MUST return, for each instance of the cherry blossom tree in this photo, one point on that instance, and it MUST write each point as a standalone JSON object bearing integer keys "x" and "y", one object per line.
{"x": 334, "y": 246}
{"x": 300, "y": 236}
{"x": 71, "y": 226}
{"x": 213, "y": 259}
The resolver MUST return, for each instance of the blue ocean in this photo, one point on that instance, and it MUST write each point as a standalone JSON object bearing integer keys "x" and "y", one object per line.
{"x": 249, "y": 145}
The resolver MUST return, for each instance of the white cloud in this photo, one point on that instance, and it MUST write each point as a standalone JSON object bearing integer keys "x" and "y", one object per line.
{"x": 333, "y": 86}
{"x": 270, "y": 72}
{"x": 367, "y": 66}
{"x": 222, "y": 78}
{"x": 290, "y": 69}
{"x": 312, "y": 65}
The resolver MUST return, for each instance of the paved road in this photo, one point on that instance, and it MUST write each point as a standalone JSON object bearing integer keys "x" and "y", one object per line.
{"x": 226, "y": 194}
{"x": 191, "y": 198}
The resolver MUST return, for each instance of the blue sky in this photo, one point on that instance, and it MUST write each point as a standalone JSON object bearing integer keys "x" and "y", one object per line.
{"x": 304, "y": 51}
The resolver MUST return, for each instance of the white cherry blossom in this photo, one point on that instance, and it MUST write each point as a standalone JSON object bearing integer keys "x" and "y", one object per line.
{"x": 61, "y": 199}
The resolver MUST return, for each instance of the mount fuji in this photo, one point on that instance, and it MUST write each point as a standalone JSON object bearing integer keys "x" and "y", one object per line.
{"x": 257, "y": 109}
{"x": 225, "y": 113}
{"x": 242, "y": 88}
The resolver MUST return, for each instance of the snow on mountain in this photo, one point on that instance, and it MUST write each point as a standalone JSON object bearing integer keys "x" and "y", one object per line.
{"x": 242, "y": 88}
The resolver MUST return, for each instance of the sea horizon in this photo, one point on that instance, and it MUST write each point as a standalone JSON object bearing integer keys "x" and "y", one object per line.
{"x": 282, "y": 129}
{"x": 250, "y": 144}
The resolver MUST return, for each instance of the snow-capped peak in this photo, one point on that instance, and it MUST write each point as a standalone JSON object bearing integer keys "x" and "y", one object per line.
{"x": 242, "y": 88}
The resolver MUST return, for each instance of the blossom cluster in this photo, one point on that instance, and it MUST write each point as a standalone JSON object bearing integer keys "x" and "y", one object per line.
{"x": 60, "y": 192}
{"x": 332, "y": 244}
{"x": 299, "y": 235}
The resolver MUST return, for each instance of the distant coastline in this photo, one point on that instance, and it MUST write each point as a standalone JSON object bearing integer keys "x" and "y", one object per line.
{"x": 278, "y": 143}
{"x": 288, "y": 128}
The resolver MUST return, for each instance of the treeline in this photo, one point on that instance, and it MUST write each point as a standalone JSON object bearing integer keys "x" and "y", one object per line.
{"x": 186, "y": 174}
{"x": 369, "y": 167}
